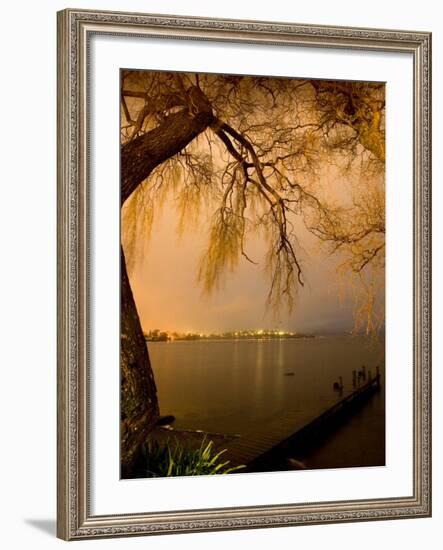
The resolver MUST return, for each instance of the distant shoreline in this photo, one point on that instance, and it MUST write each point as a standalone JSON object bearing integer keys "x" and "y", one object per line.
{"x": 230, "y": 339}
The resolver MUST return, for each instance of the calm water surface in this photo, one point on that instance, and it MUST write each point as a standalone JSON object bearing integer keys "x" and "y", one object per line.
{"x": 230, "y": 386}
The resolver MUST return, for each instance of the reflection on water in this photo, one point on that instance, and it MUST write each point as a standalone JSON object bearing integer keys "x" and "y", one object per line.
{"x": 233, "y": 386}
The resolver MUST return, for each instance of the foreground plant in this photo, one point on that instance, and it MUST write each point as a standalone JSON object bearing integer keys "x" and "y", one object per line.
{"x": 173, "y": 459}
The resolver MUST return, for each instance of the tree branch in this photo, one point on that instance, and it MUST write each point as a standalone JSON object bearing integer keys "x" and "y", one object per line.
{"x": 141, "y": 155}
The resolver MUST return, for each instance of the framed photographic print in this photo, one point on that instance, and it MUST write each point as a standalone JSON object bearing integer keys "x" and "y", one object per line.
{"x": 243, "y": 274}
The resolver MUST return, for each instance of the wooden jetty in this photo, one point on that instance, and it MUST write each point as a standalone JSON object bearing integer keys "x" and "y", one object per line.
{"x": 260, "y": 449}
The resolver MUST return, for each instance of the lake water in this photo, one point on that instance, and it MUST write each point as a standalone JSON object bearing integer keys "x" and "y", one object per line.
{"x": 236, "y": 386}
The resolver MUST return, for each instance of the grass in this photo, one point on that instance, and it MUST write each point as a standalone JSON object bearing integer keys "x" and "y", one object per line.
{"x": 173, "y": 459}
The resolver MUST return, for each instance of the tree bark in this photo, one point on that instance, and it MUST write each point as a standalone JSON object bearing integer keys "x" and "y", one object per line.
{"x": 139, "y": 405}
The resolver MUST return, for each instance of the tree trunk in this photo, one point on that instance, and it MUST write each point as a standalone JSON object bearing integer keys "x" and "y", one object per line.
{"x": 139, "y": 405}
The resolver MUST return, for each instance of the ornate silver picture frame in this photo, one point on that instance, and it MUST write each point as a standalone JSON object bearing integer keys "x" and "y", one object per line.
{"x": 75, "y": 516}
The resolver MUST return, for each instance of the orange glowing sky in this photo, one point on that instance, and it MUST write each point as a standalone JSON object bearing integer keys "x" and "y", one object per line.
{"x": 169, "y": 297}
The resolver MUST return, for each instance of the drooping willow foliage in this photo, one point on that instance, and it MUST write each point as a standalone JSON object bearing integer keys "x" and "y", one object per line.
{"x": 258, "y": 168}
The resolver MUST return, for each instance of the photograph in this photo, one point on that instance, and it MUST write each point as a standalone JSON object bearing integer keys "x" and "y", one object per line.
{"x": 252, "y": 274}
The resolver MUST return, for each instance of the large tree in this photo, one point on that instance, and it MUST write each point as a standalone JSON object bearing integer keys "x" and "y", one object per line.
{"x": 251, "y": 147}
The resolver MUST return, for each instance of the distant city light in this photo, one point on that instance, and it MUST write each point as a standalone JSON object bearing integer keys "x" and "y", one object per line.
{"x": 157, "y": 335}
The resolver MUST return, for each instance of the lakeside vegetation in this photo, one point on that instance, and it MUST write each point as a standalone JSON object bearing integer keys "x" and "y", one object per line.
{"x": 157, "y": 335}
{"x": 174, "y": 459}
